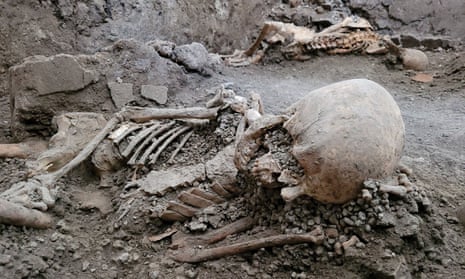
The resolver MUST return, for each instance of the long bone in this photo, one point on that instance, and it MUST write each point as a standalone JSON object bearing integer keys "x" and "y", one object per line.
{"x": 40, "y": 191}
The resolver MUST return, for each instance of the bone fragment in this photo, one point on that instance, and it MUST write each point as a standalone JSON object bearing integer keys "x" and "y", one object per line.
{"x": 194, "y": 200}
{"x": 29, "y": 149}
{"x": 152, "y": 147}
{"x": 214, "y": 236}
{"x": 399, "y": 191}
{"x": 180, "y": 146}
{"x": 403, "y": 180}
{"x": 286, "y": 177}
{"x": 14, "y": 214}
{"x": 366, "y": 195}
{"x": 86, "y": 152}
{"x": 168, "y": 233}
{"x": 217, "y": 188}
{"x": 196, "y": 255}
{"x": 138, "y": 114}
{"x": 291, "y": 193}
{"x": 119, "y": 134}
{"x": 173, "y": 216}
{"x": 185, "y": 210}
{"x": 405, "y": 169}
{"x": 351, "y": 242}
{"x": 206, "y": 195}
{"x": 233, "y": 189}
{"x": 167, "y": 142}
{"x": 143, "y": 134}
{"x": 44, "y": 184}
{"x": 147, "y": 140}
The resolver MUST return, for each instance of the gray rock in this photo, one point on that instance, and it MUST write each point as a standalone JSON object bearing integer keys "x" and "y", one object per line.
{"x": 408, "y": 225}
{"x": 158, "y": 94}
{"x": 65, "y": 8}
{"x": 4, "y": 259}
{"x": 386, "y": 219}
{"x": 121, "y": 93}
{"x": 85, "y": 265}
{"x": 159, "y": 182}
{"x": 461, "y": 214}
{"x": 118, "y": 244}
{"x": 393, "y": 268}
{"x": 122, "y": 258}
{"x": 221, "y": 168}
{"x": 193, "y": 56}
{"x": 36, "y": 81}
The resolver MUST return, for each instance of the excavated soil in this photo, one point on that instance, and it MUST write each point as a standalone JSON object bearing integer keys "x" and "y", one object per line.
{"x": 94, "y": 238}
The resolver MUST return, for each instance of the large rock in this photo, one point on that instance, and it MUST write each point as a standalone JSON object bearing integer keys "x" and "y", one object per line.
{"x": 42, "y": 87}
{"x": 39, "y": 87}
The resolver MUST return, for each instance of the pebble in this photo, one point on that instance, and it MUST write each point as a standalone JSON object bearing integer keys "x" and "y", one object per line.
{"x": 154, "y": 274}
{"x": 5, "y": 259}
{"x": 118, "y": 244}
{"x": 85, "y": 265}
{"x": 123, "y": 257}
{"x": 191, "y": 273}
{"x": 348, "y": 221}
{"x": 461, "y": 215}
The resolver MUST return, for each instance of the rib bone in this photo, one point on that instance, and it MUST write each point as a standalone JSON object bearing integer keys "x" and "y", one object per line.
{"x": 155, "y": 133}
{"x": 166, "y": 143}
{"x": 149, "y": 150}
{"x": 138, "y": 138}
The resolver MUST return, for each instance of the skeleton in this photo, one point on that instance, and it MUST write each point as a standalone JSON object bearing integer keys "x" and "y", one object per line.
{"x": 353, "y": 34}
{"x": 327, "y": 133}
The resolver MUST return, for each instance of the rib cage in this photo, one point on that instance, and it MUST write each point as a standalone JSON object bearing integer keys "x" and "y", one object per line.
{"x": 344, "y": 42}
{"x": 141, "y": 144}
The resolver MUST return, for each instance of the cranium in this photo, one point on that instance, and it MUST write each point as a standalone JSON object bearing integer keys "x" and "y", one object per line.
{"x": 343, "y": 134}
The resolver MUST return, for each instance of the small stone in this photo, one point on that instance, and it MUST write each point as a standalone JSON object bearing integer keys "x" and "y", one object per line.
{"x": 158, "y": 94}
{"x": 348, "y": 221}
{"x": 123, "y": 258}
{"x": 118, "y": 244}
{"x": 4, "y": 259}
{"x": 191, "y": 273}
{"x": 105, "y": 242}
{"x": 445, "y": 262}
{"x": 452, "y": 220}
{"x": 54, "y": 237}
{"x": 367, "y": 228}
{"x": 461, "y": 215}
{"x": 135, "y": 257}
{"x": 85, "y": 265}
{"x": 154, "y": 274}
